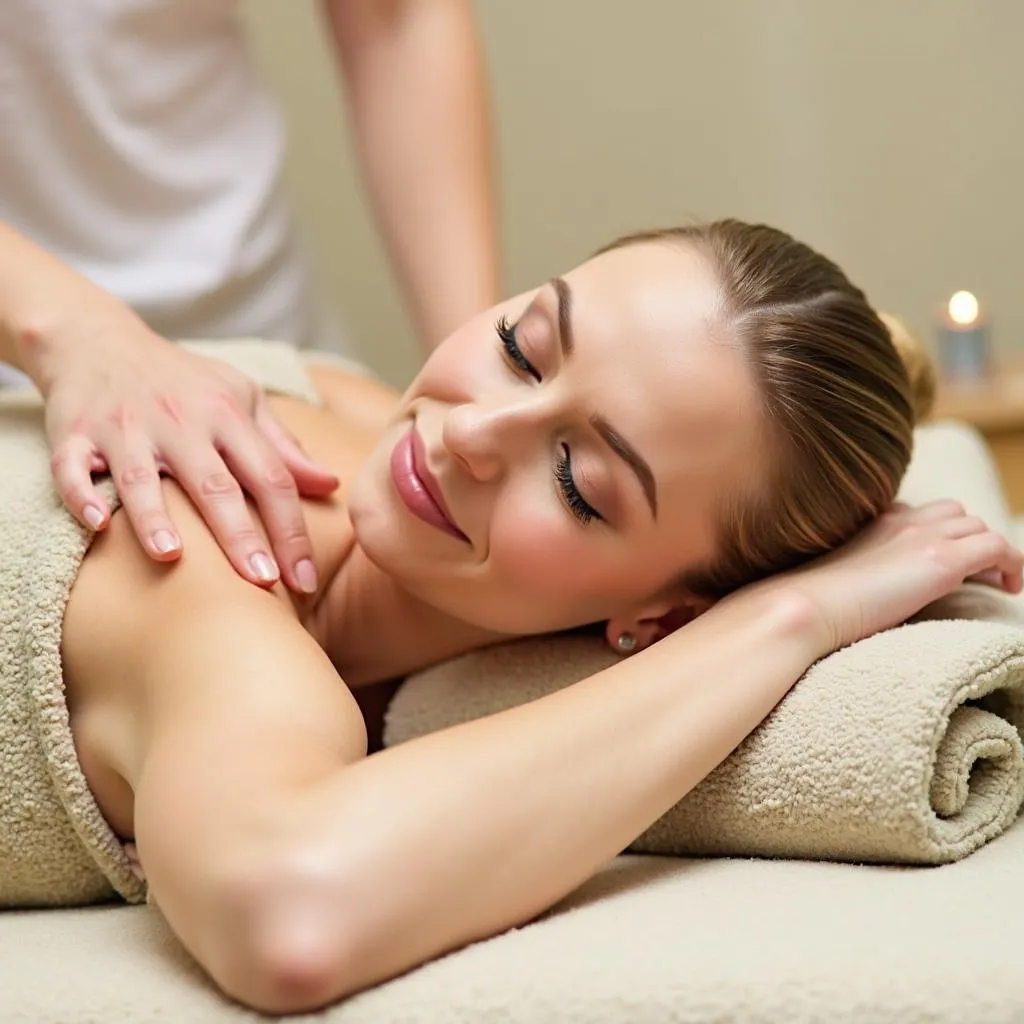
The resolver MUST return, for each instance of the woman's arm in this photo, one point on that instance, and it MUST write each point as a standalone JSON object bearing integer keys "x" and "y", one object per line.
{"x": 327, "y": 873}
{"x": 467, "y": 832}
{"x": 297, "y": 871}
{"x": 121, "y": 398}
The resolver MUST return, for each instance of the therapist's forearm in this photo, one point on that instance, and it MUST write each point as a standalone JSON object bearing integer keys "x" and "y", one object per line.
{"x": 419, "y": 104}
{"x": 46, "y": 306}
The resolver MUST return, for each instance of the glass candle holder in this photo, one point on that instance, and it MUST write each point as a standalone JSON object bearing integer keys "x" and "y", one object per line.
{"x": 964, "y": 347}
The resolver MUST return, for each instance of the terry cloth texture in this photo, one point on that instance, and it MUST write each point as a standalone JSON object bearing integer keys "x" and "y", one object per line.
{"x": 55, "y": 846}
{"x": 648, "y": 940}
{"x": 903, "y": 748}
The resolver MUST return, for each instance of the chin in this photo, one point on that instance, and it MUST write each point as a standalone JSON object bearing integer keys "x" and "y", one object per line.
{"x": 390, "y": 540}
{"x": 401, "y": 549}
{"x": 375, "y": 524}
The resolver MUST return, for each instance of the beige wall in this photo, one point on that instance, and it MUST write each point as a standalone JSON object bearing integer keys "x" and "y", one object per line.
{"x": 885, "y": 132}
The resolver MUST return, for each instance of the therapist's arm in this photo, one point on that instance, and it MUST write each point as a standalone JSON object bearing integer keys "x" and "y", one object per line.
{"x": 418, "y": 98}
{"x": 121, "y": 398}
{"x": 43, "y": 304}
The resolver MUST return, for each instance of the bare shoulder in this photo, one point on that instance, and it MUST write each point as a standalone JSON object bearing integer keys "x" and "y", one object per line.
{"x": 119, "y": 588}
{"x": 121, "y": 598}
{"x": 122, "y": 604}
{"x": 363, "y": 402}
{"x": 146, "y": 644}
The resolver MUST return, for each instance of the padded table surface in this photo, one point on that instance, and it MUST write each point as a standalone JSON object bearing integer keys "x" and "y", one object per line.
{"x": 649, "y": 939}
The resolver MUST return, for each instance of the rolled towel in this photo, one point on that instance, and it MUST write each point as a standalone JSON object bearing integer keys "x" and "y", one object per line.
{"x": 903, "y": 748}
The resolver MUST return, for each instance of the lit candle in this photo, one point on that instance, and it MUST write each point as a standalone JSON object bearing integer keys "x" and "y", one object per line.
{"x": 963, "y": 338}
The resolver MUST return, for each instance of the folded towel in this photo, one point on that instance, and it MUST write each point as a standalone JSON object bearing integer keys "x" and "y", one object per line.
{"x": 55, "y": 846}
{"x": 903, "y": 748}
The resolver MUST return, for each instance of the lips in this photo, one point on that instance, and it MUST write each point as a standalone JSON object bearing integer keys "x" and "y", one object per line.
{"x": 417, "y": 486}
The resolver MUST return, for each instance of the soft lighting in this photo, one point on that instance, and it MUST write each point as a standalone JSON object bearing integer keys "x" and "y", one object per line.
{"x": 963, "y": 308}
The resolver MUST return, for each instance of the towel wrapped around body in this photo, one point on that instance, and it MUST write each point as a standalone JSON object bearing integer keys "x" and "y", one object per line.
{"x": 903, "y": 748}
{"x": 56, "y": 849}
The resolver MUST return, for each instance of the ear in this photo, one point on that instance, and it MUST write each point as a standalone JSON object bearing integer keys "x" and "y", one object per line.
{"x": 652, "y": 622}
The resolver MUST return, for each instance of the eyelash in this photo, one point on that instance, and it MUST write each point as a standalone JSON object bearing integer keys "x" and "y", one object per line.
{"x": 514, "y": 354}
{"x": 578, "y": 505}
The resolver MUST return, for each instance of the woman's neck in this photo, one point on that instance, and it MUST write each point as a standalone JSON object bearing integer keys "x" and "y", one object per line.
{"x": 369, "y": 627}
{"x": 373, "y": 630}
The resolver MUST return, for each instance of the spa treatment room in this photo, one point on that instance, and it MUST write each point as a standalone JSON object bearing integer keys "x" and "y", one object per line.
{"x": 511, "y": 512}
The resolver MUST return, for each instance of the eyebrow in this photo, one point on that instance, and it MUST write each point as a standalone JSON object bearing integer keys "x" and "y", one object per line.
{"x": 611, "y": 437}
{"x": 631, "y": 457}
{"x": 565, "y": 338}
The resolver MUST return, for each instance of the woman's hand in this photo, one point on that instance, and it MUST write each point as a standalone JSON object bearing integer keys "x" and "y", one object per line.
{"x": 899, "y": 563}
{"x": 137, "y": 406}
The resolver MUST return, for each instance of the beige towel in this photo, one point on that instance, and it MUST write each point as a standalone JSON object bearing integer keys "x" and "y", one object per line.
{"x": 903, "y": 748}
{"x": 55, "y": 847}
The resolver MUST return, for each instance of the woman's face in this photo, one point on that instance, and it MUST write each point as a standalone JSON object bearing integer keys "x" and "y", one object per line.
{"x": 565, "y": 466}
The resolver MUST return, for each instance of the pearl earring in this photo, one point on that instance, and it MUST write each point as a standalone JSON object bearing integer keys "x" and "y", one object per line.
{"x": 626, "y": 642}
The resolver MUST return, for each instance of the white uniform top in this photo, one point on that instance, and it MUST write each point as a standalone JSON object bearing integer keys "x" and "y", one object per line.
{"x": 139, "y": 143}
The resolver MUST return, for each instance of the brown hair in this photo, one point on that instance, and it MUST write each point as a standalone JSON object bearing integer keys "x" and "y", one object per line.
{"x": 842, "y": 389}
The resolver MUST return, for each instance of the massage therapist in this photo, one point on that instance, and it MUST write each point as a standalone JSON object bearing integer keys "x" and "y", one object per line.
{"x": 142, "y": 147}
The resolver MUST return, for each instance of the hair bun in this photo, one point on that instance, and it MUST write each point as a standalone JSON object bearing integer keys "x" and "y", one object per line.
{"x": 917, "y": 362}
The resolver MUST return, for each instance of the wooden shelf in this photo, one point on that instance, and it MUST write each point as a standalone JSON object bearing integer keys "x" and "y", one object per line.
{"x": 995, "y": 406}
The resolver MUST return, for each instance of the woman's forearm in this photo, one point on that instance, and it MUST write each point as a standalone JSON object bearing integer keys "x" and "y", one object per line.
{"x": 472, "y": 830}
{"x": 45, "y": 307}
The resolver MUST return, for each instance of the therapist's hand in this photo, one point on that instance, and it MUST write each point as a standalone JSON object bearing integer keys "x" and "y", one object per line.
{"x": 138, "y": 407}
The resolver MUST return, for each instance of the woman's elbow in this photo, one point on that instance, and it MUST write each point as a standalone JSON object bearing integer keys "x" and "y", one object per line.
{"x": 291, "y": 937}
{"x": 285, "y": 975}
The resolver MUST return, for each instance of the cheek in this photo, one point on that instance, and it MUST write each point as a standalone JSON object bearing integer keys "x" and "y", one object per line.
{"x": 543, "y": 552}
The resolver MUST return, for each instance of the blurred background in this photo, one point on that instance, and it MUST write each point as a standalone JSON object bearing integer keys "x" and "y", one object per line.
{"x": 886, "y": 133}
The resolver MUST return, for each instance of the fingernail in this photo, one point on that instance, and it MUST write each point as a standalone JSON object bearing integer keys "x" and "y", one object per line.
{"x": 305, "y": 575}
{"x": 164, "y": 541}
{"x": 93, "y": 516}
{"x": 263, "y": 567}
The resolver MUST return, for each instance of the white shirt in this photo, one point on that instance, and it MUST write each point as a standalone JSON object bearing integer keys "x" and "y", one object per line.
{"x": 139, "y": 143}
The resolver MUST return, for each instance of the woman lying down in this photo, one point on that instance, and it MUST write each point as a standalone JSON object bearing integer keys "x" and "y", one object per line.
{"x": 694, "y": 437}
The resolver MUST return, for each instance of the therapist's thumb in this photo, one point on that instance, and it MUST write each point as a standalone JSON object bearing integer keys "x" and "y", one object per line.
{"x": 311, "y": 478}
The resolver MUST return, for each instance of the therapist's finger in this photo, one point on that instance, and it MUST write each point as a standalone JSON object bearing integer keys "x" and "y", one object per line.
{"x": 265, "y": 476}
{"x": 311, "y": 478}
{"x": 220, "y": 500}
{"x": 990, "y": 577}
{"x": 136, "y": 476}
{"x": 72, "y": 464}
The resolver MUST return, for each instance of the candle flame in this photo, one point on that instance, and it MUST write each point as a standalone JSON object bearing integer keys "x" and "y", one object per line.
{"x": 963, "y": 308}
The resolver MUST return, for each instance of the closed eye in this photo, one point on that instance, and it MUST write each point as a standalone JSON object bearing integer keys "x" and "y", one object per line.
{"x": 576, "y": 503}
{"x": 513, "y": 353}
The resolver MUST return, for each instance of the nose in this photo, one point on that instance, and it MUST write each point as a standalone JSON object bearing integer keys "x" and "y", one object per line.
{"x": 485, "y": 436}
